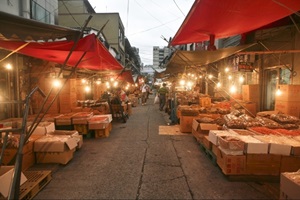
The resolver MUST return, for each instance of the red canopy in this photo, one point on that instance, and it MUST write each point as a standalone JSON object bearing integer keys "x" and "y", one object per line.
{"x": 126, "y": 76}
{"x": 96, "y": 58}
{"x": 225, "y": 18}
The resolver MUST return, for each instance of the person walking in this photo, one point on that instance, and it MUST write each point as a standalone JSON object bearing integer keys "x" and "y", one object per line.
{"x": 144, "y": 90}
{"x": 162, "y": 92}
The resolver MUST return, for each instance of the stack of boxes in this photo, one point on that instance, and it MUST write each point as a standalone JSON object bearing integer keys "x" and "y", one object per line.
{"x": 101, "y": 125}
{"x": 289, "y": 101}
{"x": 251, "y": 98}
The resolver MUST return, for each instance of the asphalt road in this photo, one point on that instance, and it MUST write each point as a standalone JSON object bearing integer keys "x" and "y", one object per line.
{"x": 136, "y": 162}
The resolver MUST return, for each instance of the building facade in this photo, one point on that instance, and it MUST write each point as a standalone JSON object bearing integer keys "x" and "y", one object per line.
{"x": 159, "y": 54}
{"x": 45, "y": 11}
{"x": 74, "y": 14}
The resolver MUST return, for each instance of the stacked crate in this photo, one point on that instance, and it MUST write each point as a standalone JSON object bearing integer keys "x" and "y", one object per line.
{"x": 251, "y": 95}
{"x": 101, "y": 125}
{"x": 289, "y": 100}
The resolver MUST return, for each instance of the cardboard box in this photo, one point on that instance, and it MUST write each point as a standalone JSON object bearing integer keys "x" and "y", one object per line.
{"x": 250, "y": 108}
{"x": 276, "y": 144}
{"x": 250, "y": 92}
{"x": 231, "y": 164}
{"x": 290, "y": 185}
{"x": 101, "y": 133}
{"x": 289, "y": 93}
{"x": 213, "y": 135}
{"x": 52, "y": 143}
{"x": 231, "y": 143}
{"x": 55, "y": 157}
{"x": 186, "y": 122}
{"x": 98, "y": 122}
{"x": 74, "y": 134}
{"x": 43, "y": 128}
{"x": 81, "y": 117}
{"x": 288, "y": 107}
{"x": 205, "y": 101}
{"x": 254, "y": 146}
{"x": 65, "y": 119}
{"x": 290, "y": 163}
{"x": 10, "y": 153}
{"x": 263, "y": 164}
{"x": 206, "y": 143}
{"x": 6, "y": 174}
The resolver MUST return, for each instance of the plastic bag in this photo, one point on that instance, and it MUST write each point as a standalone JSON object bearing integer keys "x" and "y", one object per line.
{"x": 156, "y": 100}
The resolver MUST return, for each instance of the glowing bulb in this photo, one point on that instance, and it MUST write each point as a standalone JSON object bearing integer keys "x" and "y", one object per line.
{"x": 210, "y": 76}
{"x": 229, "y": 77}
{"x": 200, "y": 76}
{"x": 232, "y": 89}
{"x": 111, "y": 79}
{"x": 8, "y": 66}
{"x": 87, "y": 88}
{"x": 241, "y": 79}
{"x": 278, "y": 92}
{"x": 56, "y": 83}
{"x": 83, "y": 81}
{"x": 218, "y": 85}
{"x": 189, "y": 84}
{"x": 116, "y": 83}
{"x": 226, "y": 69}
{"x": 98, "y": 82}
{"x": 182, "y": 82}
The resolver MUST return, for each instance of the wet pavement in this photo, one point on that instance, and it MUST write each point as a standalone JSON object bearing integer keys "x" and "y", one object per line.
{"x": 136, "y": 162}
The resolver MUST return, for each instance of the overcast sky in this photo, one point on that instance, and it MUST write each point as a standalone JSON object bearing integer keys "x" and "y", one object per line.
{"x": 145, "y": 21}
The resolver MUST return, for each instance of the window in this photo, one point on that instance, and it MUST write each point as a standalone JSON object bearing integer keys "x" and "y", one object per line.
{"x": 39, "y": 13}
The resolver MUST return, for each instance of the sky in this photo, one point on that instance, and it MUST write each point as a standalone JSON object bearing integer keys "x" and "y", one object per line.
{"x": 146, "y": 21}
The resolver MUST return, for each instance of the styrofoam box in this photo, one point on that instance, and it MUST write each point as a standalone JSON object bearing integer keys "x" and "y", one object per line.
{"x": 213, "y": 135}
{"x": 255, "y": 146}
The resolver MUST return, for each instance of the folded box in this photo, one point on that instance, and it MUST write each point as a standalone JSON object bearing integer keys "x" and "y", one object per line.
{"x": 53, "y": 143}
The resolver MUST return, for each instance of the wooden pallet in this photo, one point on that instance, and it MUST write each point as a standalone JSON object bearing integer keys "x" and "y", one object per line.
{"x": 36, "y": 181}
{"x": 209, "y": 154}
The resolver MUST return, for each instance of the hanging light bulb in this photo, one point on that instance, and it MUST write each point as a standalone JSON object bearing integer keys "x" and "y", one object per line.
{"x": 8, "y": 66}
{"x": 87, "y": 88}
{"x": 98, "y": 82}
{"x": 182, "y": 82}
{"x": 56, "y": 83}
{"x": 210, "y": 76}
{"x": 116, "y": 83}
{"x": 83, "y": 80}
{"x": 226, "y": 69}
{"x": 232, "y": 89}
{"x": 241, "y": 79}
{"x": 218, "y": 85}
{"x": 278, "y": 92}
{"x": 229, "y": 77}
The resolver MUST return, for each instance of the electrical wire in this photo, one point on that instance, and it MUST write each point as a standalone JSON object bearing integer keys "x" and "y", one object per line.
{"x": 178, "y": 8}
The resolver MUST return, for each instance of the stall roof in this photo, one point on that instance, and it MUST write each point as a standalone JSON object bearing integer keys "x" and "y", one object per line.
{"x": 126, "y": 76}
{"x": 225, "y": 18}
{"x": 97, "y": 57}
{"x": 182, "y": 59}
{"x": 18, "y": 28}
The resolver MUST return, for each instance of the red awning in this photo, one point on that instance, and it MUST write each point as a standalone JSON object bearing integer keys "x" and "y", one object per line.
{"x": 225, "y": 18}
{"x": 97, "y": 57}
{"x": 126, "y": 76}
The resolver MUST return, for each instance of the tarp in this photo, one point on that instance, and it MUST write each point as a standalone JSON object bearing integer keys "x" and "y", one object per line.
{"x": 225, "y": 18}
{"x": 182, "y": 59}
{"x": 125, "y": 76}
{"x": 19, "y": 28}
{"x": 97, "y": 57}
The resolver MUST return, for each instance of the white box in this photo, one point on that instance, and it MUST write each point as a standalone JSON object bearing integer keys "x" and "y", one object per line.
{"x": 280, "y": 149}
{"x": 255, "y": 146}
{"x": 213, "y": 135}
{"x": 6, "y": 174}
{"x": 277, "y": 144}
